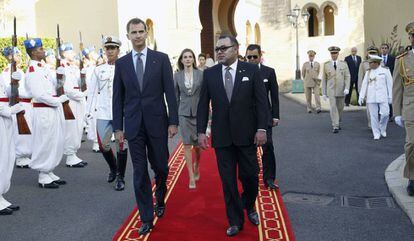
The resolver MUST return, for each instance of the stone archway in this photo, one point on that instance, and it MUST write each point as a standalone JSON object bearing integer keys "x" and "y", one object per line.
{"x": 216, "y": 17}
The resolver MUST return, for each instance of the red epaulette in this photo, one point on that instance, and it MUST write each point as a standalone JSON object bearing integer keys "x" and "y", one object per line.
{"x": 31, "y": 69}
{"x": 62, "y": 65}
{"x": 39, "y": 64}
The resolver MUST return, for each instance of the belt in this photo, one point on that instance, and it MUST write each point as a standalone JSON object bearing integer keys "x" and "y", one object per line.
{"x": 26, "y": 100}
{"x": 41, "y": 105}
{"x": 4, "y": 100}
{"x": 76, "y": 88}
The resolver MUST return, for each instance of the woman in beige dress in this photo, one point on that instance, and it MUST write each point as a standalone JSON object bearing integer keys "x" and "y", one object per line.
{"x": 187, "y": 85}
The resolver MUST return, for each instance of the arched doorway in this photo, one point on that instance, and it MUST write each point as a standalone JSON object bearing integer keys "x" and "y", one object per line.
{"x": 216, "y": 17}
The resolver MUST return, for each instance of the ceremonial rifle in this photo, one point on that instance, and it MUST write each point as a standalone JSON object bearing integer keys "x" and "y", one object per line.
{"x": 22, "y": 125}
{"x": 82, "y": 83}
{"x": 67, "y": 111}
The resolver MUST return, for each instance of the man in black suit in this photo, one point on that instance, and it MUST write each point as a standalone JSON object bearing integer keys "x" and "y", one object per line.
{"x": 239, "y": 123}
{"x": 388, "y": 61}
{"x": 141, "y": 80}
{"x": 353, "y": 60}
{"x": 254, "y": 55}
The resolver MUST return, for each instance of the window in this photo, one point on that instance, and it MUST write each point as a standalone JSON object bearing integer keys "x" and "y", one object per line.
{"x": 257, "y": 34}
{"x": 328, "y": 12}
{"x": 313, "y": 24}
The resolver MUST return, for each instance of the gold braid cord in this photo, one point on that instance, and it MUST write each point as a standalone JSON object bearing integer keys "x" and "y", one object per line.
{"x": 406, "y": 80}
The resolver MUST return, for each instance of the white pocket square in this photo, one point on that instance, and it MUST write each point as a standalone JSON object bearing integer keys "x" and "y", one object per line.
{"x": 245, "y": 79}
{"x": 265, "y": 80}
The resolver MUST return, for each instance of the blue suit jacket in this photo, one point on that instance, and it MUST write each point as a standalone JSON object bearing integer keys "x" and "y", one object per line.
{"x": 136, "y": 108}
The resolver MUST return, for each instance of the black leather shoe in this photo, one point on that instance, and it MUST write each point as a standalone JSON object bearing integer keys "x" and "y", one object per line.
{"x": 335, "y": 130}
{"x": 51, "y": 185}
{"x": 60, "y": 182}
{"x": 339, "y": 128}
{"x": 111, "y": 177}
{"x": 120, "y": 184}
{"x": 410, "y": 188}
{"x": 6, "y": 211}
{"x": 253, "y": 217}
{"x": 233, "y": 230}
{"x": 145, "y": 228}
{"x": 270, "y": 184}
{"x": 159, "y": 210}
{"x": 13, "y": 207}
{"x": 22, "y": 166}
{"x": 318, "y": 111}
{"x": 79, "y": 165}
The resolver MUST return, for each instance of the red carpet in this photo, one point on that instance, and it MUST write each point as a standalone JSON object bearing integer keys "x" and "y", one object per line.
{"x": 200, "y": 214}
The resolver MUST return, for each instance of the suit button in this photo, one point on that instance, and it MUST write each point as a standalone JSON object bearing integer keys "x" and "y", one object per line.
{"x": 99, "y": 93}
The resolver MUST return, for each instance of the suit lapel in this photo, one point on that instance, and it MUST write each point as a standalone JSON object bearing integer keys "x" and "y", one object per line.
{"x": 132, "y": 73}
{"x": 237, "y": 79}
{"x": 148, "y": 67}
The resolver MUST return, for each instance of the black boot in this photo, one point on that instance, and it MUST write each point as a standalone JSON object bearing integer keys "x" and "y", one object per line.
{"x": 110, "y": 159}
{"x": 121, "y": 164}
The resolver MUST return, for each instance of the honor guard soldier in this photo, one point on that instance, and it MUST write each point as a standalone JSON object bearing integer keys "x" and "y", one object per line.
{"x": 23, "y": 142}
{"x": 377, "y": 88}
{"x": 7, "y": 145}
{"x": 90, "y": 61}
{"x": 312, "y": 83}
{"x": 50, "y": 59}
{"x": 48, "y": 121}
{"x": 101, "y": 94}
{"x": 74, "y": 128}
{"x": 335, "y": 86}
{"x": 403, "y": 105}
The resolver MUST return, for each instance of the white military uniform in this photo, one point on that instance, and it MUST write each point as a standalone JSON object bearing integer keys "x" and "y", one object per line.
{"x": 91, "y": 107}
{"x": 74, "y": 128}
{"x": 23, "y": 143}
{"x": 6, "y": 145}
{"x": 377, "y": 89}
{"x": 48, "y": 122}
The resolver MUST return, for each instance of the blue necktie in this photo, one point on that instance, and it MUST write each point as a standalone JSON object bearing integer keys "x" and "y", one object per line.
{"x": 139, "y": 70}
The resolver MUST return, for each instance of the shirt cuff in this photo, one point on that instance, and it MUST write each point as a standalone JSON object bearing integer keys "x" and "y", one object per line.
{"x": 264, "y": 130}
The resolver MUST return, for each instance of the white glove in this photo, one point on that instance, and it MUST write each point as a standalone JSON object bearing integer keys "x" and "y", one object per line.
{"x": 399, "y": 121}
{"x": 83, "y": 71}
{"x": 16, "y": 108}
{"x": 325, "y": 98}
{"x": 63, "y": 98}
{"x": 360, "y": 101}
{"x": 390, "y": 101}
{"x": 60, "y": 70}
{"x": 16, "y": 75}
{"x": 346, "y": 91}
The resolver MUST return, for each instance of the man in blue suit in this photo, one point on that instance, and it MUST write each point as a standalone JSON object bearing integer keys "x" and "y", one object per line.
{"x": 141, "y": 80}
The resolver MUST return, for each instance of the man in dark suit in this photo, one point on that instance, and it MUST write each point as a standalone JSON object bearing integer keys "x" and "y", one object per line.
{"x": 239, "y": 123}
{"x": 353, "y": 60}
{"x": 141, "y": 80}
{"x": 388, "y": 61}
{"x": 254, "y": 55}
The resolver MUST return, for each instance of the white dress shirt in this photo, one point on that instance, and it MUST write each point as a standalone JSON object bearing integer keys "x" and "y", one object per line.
{"x": 143, "y": 57}
{"x": 233, "y": 70}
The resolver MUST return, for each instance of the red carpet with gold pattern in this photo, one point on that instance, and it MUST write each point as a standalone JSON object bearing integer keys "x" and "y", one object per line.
{"x": 199, "y": 214}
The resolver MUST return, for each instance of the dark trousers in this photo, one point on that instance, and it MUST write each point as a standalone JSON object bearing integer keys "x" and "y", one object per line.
{"x": 390, "y": 110}
{"x": 242, "y": 160}
{"x": 268, "y": 158}
{"x": 157, "y": 149}
{"x": 354, "y": 84}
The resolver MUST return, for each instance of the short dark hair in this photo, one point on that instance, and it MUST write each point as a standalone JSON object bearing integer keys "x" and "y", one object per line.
{"x": 136, "y": 21}
{"x": 252, "y": 47}
{"x": 180, "y": 64}
{"x": 233, "y": 39}
{"x": 202, "y": 55}
{"x": 385, "y": 44}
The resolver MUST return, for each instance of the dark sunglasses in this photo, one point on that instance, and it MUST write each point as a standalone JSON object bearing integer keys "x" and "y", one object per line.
{"x": 222, "y": 48}
{"x": 252, "y": 57}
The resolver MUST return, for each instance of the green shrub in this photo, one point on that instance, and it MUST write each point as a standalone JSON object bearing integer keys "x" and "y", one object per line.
{"x": 4, "y": 42}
